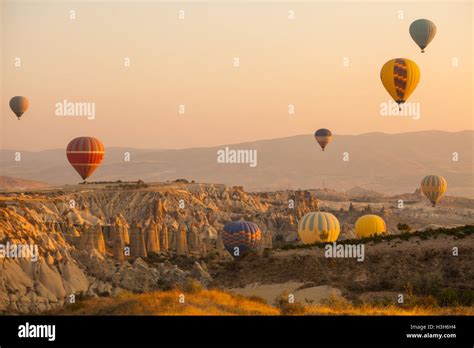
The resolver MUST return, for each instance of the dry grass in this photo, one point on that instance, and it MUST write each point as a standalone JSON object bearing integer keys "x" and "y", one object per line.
{"x": 205, "y": 302}
{"x": 216, "y": 302}
{"x": 335, "y": 305}
{"x": 367, "y": 309}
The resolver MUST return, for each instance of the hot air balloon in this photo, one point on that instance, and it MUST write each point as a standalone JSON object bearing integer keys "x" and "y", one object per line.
{"x": 318, "y": 227}
{"x": 85, "y": 154}
{"x": 19, "y": 105}
{"x": 370, "y": 225}
{"x": 240, "y": 237}
{"x": 434, "y": 187}
{"x": 323, "y": 137}
{"x": 422, "y": 31}
{"x": 400, "y": 76}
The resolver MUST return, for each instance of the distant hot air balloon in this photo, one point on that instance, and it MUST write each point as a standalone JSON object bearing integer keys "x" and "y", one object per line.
{"x": 400, "y": 76}
{"x": 318, "y": 227}
{"x": 85, "y": 154}
{"x": 370, "y": 225}
{"x": 323, "y": 137}
{"x": 422, "y": 31}
{"x": 19, "y": 105}
{"x": 240, "y": 237}
{"x": 434, "y": 187}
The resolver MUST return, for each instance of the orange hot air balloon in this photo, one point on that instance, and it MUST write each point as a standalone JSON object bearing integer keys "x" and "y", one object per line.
{"x": 85, "y": 154}
{"x": 19, "y": 105}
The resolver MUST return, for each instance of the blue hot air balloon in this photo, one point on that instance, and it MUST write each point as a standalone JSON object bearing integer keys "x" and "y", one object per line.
{"x": 240, "y": 237}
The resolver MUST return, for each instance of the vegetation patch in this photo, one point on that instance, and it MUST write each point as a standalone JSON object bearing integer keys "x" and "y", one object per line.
{"x": 457, "y": 232}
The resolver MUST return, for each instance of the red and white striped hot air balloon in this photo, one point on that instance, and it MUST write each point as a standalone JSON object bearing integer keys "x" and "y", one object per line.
{"x": 85, "y": 154}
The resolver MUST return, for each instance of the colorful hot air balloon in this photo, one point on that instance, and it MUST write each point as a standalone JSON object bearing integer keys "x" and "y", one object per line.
{"x": 370, "y": 225}
{"x": 318, "y": 227}
{"x": 323, "y": 137}
{"x": 400, "y": 76}
{"x": 85, "y": 154}
{"x": 434, "y": 187}
{"x": 19, "y": 105}
{"x": 240, "y": 237}
{"x": 422, "y": 31}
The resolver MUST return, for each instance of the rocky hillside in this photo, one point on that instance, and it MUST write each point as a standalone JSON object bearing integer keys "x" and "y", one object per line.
{"x": 98, "y": 240}
{"x": 388, "y": 267}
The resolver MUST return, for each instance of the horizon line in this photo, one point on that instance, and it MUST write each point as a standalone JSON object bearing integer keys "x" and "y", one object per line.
{"x": 250, "y": 141}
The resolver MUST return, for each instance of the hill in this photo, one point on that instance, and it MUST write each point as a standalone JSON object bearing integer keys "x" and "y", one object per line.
{"x": 385, "y": 163}
{"x": 8, "y": 183}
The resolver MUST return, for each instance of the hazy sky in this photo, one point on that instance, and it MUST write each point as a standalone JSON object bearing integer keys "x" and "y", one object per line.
{"x": 190, "y": 61}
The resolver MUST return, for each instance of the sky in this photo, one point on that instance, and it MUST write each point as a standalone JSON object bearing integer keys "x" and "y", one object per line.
{"x": 191, "y": 62}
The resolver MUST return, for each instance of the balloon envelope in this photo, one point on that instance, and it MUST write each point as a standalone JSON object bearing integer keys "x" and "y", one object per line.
{"x": 19, "y": 105}
{"x": 318, "y": 227}
{"x": 400, "y": 76}
{"x": 422, "y": 31}
{"x": 240, "y": 237}
{"x": 323, "y": 136}
{"x": 370, "y": 225}
{"x": 434, "y": 187}
{"x": 85, "y": 154}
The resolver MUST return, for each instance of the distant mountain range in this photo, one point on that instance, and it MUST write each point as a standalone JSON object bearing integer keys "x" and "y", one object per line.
{"x": 9, "y": 183}
{"x": 386, "y": 163}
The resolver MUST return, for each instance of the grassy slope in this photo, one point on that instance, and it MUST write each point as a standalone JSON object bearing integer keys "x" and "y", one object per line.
{"x": 216, "y": 302}
{"x": 205, "y": 302}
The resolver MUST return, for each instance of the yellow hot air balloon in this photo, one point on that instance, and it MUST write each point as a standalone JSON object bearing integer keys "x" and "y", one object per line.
{"x": 19, "y": 105}
{"x": 370, "y": 225}
{"x": 400, "y": 76}
{"x": 434, "y": 187}
{"x": 318, "y": 227}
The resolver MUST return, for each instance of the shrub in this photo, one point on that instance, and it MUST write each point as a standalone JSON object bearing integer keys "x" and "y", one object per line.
{"x": 336, "y": 302}
{"x": 455, "y": 297}
{"x": 288, "y": 308}
{"x": 192, "y": 286}
{"x": 467, "y": 297}
{"x": 427, "y": 283}
{"x": 448, "y": 297}
{"x": 403, "y": 227}
{"x": 292, "y": 309}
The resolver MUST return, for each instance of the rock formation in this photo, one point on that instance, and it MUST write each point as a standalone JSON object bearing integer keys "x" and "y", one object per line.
{"x": 152, "y": 238}
{"x": 137, "y": 241}
{"x": 182, "y": 241}
{"x": 164, "y": 245}
{"x": 118, "y": 241}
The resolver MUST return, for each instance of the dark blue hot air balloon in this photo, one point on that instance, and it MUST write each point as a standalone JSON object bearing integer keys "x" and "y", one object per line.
{"x": 240, "y": 237}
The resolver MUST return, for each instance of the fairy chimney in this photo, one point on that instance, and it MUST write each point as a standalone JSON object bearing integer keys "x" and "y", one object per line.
{"x": 164, "y": 237}
{"x": 142, "y": 252}
{"x": 99, "y": 239}
{"x": 125, "y": 228}
{"x": 219, "y": 243}
{"x": 153, "y": 238}
{"x": 118, "y": 242}
{"x": 137, "y": 241}
{"x": 92, "y": 238}
{"x": 181, "y": 240}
